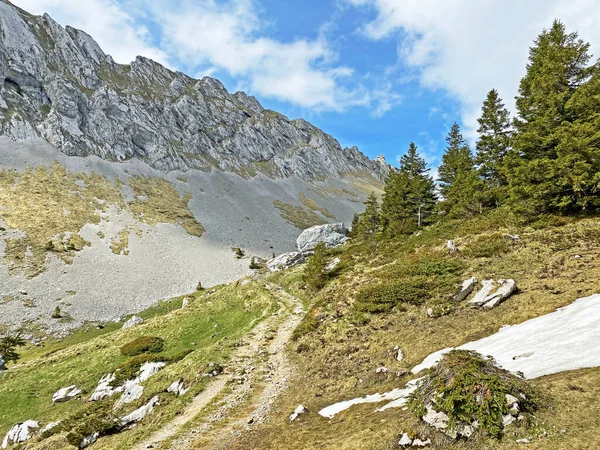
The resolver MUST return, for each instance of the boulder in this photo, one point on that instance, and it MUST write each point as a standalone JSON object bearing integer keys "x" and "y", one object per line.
{"x": 332, "y": 234}
{"x": 332, "y": 264}
{"x": 140, "y": 413}
{"x": 451, "y": 246}
{"x": 177, "y": 388}
{"x": 405, "y": 440}
{"x": 132, "y": 390}
{"x": 149, "y": 369}
{"x": 285, "y": 261}
{"x": 19, "y": 433}
{"x": 421, "y": 443}
{"x": 89, "y": 440}
{"x": 104, "y": 388}
{"x": 440, "y": 420}
{"x": 399, "y": 354}
{"x": 50, "y": 426}
{"x": 300, "y": 409}
{"x": 466, "y": 288}
{"x": 493, "y": 293}
{"x": 65, "y": 394}
{"x": 135, "y": 320}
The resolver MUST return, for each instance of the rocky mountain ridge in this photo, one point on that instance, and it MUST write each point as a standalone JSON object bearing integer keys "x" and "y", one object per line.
{"x": 56, "y": 83}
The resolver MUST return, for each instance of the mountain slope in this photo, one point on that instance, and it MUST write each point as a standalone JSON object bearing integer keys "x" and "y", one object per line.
{"x": 58, "y": 84}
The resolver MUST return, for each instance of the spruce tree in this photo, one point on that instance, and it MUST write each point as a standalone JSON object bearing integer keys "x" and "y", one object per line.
{"x": 314, "y": 272}
{"x": 456, "y": 158}
{"x": 553, "y": 165}
{"x": 8, "y": 346}
{"x": 369, "y": 222}
{"x": 493, "y": 145}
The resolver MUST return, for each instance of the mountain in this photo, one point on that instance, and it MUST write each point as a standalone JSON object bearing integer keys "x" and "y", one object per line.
{"x": 58, "y": 84}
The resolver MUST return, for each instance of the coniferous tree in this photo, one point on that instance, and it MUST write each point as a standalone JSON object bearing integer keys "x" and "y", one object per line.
{"x": 493, "y": 145}
{"x": 369, "y": 222}
{"x": 8, "y": 346}
{"x": 314, "y": 272}
{"x": 409, "y": 198}
{"x": 553, "y": 165}
{"x": 460, "y": 185}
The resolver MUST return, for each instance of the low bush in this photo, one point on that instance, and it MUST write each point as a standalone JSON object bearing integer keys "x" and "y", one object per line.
{"x": 487, "y": 246}
{"x": 468, "y": 387}
{"x": 143, "y": 344}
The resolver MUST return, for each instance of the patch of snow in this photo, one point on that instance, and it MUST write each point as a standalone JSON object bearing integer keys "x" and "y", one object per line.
{"x": 566, "y": 339}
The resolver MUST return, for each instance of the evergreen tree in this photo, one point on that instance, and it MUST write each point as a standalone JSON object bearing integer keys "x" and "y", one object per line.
{"x": 460, "y": 185}
{"x": 8, "y": 346}
{"x": 493, "y": 144}
{"x": 369, "y": 222}
{"x": 409, "y": 197}
{"x": 554, "y": 164}
{"x": 314, "y": 272}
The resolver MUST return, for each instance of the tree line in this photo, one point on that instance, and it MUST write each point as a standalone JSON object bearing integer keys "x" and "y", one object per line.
{"x": 544, "y": 160}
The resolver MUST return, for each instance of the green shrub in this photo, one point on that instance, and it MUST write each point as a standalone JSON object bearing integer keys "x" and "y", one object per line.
{"x": 384, "y": 297}
{"x": 468, "y": 387}
{"x": 254, "y": 265}
{"x": 56, "y": 314}
{"x": 487, "y": 246}
{"x": 129, "y": 369}
{"x": 143, "y": 344}
{"x": 314, "y": 271}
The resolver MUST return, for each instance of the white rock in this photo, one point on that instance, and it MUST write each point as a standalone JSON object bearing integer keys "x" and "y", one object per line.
{"x": 89, "y": 440}
{"x": 140, "y": 413}
{"x": 19, "y": 433}
{"x": 381, "y": 370}
{"x": 466, "y": 288}
{"x": 506, "y": 289}
{"x": 332, "y": 264}
{"x": 300, "y": 409}
{"x": 508, "y": 419}
{"x": 419, "y": 443}
{"x": 332, "y": 234}
{"x": 523, "y": 441}
{"x": 184, "y": 303}
{"x": 177, "y": 388}
{"x": 480, "y": 298}
{"x": 451, "y": 246}
{"x": 132, "y": 390}
{"x": 135, "y": 320}
{"x": 405, "y": 440}
{"x": 50, "y": 426}
{"x": 65, "y": 394}
{"x": 285, "y": 261}
{"x": 104, "y": 388}
{"x": 438, "y": 420}
{"x": 400, "y": 355}
{"x": 149, "y": 369}
{"x": 514, "y": 237}
{"x": 512, "y": 402}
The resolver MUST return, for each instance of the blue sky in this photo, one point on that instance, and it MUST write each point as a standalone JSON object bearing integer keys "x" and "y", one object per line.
{"x": 373, "y": 73}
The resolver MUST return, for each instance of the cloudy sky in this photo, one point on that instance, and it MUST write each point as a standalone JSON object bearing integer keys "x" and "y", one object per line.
{"x": 373, "y": 73}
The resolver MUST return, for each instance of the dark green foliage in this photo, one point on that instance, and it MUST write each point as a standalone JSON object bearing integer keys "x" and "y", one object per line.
{"x": 366, "y": 225}
{"x": 254, "y": 265}
{"x": 199, "y": 287}
{"x": 314, "y": 272}
{"x": 239, "y": 253}
{"x": 97, "y": 419}
{"x": 129, "y": 369}
{"x": 460, "y": 184}
{"x": 8, "y": 347}
{"x": 409, "y": 197}
{"x": 468, "y": 387}
{"x": 556, "y": 159}
{"x": 143, "y": 344}
{"x": 493, "y": 145}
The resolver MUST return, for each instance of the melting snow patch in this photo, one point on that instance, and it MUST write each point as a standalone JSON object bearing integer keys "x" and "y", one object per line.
{"x": 566, "y": 339}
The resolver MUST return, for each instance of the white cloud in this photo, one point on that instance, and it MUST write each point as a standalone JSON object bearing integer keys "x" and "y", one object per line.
{"x": 231, "y": 36}
{"x": 106, "y": 21}
{"x": 469, "y": 47}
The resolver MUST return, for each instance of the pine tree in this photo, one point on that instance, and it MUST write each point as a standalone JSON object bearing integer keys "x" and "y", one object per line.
{"x": 314, "y": 272}
{"x": 369, "y": 222}
{"x": 460, "y": 185}
{"x": 493, "y": 144}
{"x": 409, "y": 196}
{"x": 8, "y": 346}
{"x": 554, "y": 164}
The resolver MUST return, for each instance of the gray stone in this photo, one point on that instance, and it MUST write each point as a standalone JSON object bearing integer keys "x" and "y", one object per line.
{"x": 65, "y": 394}
{"x": 177, "y": 388}
{"x": 2, "y": 364}
{"x": 300, "y": 409}
{"x": 19, "y": 433}
{"x": 285, "y": 261}
{"x": 451, "y": 246}
{"x": 132, "y": 322}
{"x": 523, "y": 441}
{"x": 105, "y": 389}
{"x": 332, "y": 264}
{"x": 66, "y": 90}
{"x": 140, "y": 413}
{"x": 506, "y": 289}
{"x": 466, "y": 288}
{"x": 132, "y": 390}
{"x": 405, "y": 440}
{"x": 149, "y": 369}
{"x": 89, "y": 440}
{"x": 420, "y": 443}
{"x": 332, "y": 234}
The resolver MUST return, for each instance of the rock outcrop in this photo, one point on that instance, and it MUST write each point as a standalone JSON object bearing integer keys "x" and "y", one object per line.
{"x": 332, "y": 234}
{"x": 66, "y": 394}
{"x": 139, "y": 413}
{"x": 132, "y": 322}
{"x": 21, "y": 432}
{"x": 56, "y": 83}
{"x": 285, "y": 261}
{"x": 493, "y": 293}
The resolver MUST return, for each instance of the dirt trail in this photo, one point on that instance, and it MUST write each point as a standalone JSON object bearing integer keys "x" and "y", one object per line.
{"x": 260, "y": 363}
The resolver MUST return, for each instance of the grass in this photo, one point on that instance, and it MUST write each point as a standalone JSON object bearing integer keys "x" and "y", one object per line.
{"x": 207, "y": 328}
{"x": 338, "y": 348}
{"x": 298, "y": 216}
{"x": 51, "y": 205}
{"x": 120, "y": 243}
{"x": 312, "y": 205}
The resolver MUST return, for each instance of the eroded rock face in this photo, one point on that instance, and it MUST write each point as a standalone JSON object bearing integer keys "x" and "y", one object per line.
{"x": 332, "y": 234}
{"x": 285, "y": 261}
{"x": 140, "y": 413}
{"x": 63, "y": 88}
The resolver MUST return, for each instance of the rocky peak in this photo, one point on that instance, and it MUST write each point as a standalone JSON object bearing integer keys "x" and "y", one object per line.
{"x": 56, "y": 83}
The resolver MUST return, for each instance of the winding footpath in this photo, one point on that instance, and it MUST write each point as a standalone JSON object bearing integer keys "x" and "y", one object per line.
{"x": 260, "y": 372}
